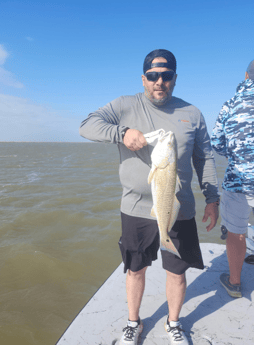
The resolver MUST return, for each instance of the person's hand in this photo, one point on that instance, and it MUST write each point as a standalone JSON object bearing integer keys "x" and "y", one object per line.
{"x": 212, "y": 211}
{"x": 134, "y": 140}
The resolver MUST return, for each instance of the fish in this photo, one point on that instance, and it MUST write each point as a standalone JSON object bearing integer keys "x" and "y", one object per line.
{"x": 165, "y": 184}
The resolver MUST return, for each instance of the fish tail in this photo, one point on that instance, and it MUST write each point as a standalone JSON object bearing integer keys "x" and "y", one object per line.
{"x": 167, "y": 244}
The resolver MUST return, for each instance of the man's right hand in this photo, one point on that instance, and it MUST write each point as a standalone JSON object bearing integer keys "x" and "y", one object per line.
{"x": 134, "y": 140}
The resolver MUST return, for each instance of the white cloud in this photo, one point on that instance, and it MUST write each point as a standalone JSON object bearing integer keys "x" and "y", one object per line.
{"x": 7, "y": 78}
{"x": 3, "y": 55}
{"x": 23, "y": 120}
{"x": 29, "y": 39}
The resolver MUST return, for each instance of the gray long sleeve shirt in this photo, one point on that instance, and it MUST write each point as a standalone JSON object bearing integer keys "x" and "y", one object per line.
{"x": 193, "y": 145}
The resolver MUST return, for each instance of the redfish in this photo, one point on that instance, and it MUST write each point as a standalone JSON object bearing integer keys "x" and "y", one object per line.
{"x": 165, "y": 184}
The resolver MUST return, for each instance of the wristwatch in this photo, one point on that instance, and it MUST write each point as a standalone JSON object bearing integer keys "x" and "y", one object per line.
{"x": 124, "y": 131}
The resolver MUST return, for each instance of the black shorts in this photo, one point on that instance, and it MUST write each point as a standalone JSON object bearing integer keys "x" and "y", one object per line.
{"x": 140, "y": 242}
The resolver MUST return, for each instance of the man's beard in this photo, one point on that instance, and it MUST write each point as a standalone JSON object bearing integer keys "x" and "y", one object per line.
{"x": 156, "y": 101}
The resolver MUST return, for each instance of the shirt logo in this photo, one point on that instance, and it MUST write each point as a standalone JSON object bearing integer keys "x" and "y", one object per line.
{"x": 183, "y": 121}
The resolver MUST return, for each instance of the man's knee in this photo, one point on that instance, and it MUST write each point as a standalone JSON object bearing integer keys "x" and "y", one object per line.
{"x": 137, "y": 274}
{"x": 233, "y": 236}
{"x": 176, "y": 278}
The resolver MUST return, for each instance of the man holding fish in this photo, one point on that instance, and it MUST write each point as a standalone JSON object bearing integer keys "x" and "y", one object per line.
{"x": 158, "y": 206}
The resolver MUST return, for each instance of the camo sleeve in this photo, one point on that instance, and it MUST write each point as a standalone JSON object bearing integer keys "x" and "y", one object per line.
{"x": 218, "y": 138}
{"x": 233, "y": 137}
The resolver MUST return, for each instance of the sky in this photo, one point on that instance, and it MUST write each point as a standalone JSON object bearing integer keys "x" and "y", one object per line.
{"x": 63, "y": 59}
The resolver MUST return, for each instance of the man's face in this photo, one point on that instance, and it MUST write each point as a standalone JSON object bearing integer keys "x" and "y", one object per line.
{"x": 159, "y": 91}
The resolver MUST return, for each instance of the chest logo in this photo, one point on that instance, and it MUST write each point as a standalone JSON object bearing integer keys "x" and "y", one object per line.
{"x": 183, "y": 121}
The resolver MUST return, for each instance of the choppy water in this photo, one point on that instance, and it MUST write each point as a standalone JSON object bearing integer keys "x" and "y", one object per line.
{"x": 59, "y": 228}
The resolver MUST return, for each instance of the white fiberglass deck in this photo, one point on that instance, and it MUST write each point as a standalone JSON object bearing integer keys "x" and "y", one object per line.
{"x": 209, "y": 315}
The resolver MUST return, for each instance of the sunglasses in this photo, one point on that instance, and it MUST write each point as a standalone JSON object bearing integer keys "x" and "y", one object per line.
{"x": 154, "y": 76}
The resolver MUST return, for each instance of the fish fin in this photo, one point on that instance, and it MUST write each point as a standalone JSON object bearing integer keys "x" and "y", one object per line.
{"x": 151, "y": 174}
{"x": 153, "y": 214}
{"x": 178, "y": 184}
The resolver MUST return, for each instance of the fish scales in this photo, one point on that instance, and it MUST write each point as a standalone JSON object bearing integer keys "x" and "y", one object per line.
{"x": 165, "y": 184}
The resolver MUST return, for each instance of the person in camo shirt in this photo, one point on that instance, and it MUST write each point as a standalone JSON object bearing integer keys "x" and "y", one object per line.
{"x": 233, "y": 137}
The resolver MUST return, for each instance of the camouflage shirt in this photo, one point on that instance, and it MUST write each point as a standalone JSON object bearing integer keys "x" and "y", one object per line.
{"x": 233, "y": 137}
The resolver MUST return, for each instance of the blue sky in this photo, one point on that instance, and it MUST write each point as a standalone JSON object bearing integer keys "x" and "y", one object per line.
{"x": 61, "y": 60}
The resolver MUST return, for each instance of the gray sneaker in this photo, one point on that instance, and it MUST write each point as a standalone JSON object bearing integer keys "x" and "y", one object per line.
{"x": 232, "y": 290}
{"x": 131, "y": 333}
{"x": 176, "y": 333}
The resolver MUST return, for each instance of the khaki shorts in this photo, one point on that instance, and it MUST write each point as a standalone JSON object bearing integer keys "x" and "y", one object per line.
{"x": 235, "y": 211}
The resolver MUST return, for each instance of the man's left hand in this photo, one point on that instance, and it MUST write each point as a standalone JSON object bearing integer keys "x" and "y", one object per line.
{"x": 212, "y": 211}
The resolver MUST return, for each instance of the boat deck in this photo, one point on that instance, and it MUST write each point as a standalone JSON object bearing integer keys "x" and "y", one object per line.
{"x": 209, "y": 315}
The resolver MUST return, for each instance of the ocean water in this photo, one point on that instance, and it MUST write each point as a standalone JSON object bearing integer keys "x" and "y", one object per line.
{"x": 59, "y": 228}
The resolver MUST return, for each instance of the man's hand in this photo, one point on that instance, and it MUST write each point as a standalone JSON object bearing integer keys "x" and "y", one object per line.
{"x": 212, "y": 211}
{"x": 134, "y": 140}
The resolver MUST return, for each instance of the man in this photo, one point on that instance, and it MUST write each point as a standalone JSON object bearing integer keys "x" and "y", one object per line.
{"x": 123, "y": 122}
{"x": 233, "y": 137}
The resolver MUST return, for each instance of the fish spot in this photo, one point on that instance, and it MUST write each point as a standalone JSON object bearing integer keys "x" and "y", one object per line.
{"x": 167, "y": 240}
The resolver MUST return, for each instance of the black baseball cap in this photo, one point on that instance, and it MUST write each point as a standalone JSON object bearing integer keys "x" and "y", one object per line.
{"x": 166, "y": 54}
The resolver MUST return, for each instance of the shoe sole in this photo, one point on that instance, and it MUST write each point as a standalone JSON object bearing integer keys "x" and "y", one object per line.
{"x": 235, "y": 294}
